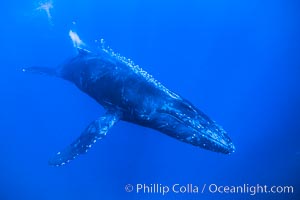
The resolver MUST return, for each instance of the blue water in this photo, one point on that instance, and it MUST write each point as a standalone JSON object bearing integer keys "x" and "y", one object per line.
{"x": 238, "y": 61}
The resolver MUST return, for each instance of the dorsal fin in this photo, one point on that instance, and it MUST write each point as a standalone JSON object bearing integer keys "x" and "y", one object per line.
{"x": 82, "y": 51}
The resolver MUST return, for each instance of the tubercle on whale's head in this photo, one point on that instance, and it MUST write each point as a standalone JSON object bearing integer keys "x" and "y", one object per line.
{"x": 229, "y": 148}
{"x": 216, "y": 139}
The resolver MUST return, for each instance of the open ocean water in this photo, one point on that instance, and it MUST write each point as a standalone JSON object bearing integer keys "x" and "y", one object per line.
{"x": 237, "y": 61}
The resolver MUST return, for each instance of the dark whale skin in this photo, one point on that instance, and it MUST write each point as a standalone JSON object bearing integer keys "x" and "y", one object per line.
{"x": 120, "y": 86}
{"x": 130, "y": 94}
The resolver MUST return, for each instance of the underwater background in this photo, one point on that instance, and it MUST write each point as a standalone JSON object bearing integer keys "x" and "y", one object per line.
{"x": 237, "y": 61}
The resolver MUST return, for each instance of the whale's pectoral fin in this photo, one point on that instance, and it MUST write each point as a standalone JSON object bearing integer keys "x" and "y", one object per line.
{"x": 96, "y": 130}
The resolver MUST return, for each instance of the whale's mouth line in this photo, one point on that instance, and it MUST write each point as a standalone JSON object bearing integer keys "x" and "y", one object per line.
{"x": 227, "y": 146}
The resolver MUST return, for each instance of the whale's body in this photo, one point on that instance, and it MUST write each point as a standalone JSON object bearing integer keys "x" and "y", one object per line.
{"x": 128, "y": 93}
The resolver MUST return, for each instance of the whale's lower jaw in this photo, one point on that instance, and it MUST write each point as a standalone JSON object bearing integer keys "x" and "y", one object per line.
{"x": 212, "y": 137}
{"x": 199, "y": 131}
{"x": 207, "y": 139}
{"x": 213, "y": 145}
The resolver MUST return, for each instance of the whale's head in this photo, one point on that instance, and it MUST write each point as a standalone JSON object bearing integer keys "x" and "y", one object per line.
{"x": 209, "y": 136}
{"x": 215, "y": 138}
{"x": 183, "y": 121}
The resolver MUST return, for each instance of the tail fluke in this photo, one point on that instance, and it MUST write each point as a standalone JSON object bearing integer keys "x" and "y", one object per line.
{"x": 41, "y": 70}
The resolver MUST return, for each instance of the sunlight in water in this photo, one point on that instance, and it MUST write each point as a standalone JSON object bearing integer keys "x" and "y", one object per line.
{"x": 46, "y": 6}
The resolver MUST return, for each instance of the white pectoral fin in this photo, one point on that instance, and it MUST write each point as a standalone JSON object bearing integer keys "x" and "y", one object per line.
{"x": 95, "y": 130}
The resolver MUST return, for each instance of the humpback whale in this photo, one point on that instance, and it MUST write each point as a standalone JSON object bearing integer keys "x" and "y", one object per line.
{"x": 129, "y": 93}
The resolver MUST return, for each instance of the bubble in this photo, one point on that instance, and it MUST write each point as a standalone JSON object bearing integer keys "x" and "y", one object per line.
{"x": 46, "y": 7}
{"x": 77, "y": 42}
